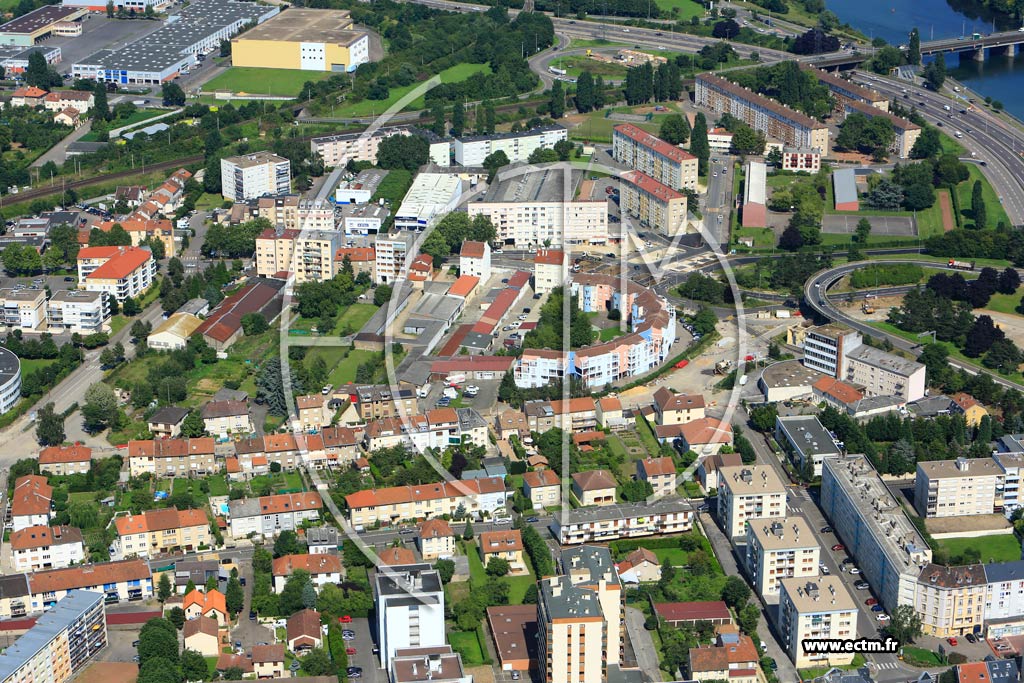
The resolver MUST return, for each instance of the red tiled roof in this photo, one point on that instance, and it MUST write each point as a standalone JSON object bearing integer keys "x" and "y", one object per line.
{"x": 305, "y": 622}
{"x": 472, "y": 249}
{"x": 65, "y": 454}
{"x": 314, "y": 564}
{"x": 159, "y": 520}
{"x": 267, "y": 654}
{"x": 30, "y": 91}
{"x": 464, "y": 285}
{"x": 471, "y": 364}
{"x": 40, "y": 536}
{"x": 840, "y": 391}
{"x": 658, "y": 466}
{"x": 290, "y": 502}
{"x": 594, "y": 480}
{"x": 685, "y": 611}
{"x": 226, "y": 319}
{"x": 212, "y": 600}
{"x": 501, "y": 541}
{"x": 89, "y": 576}
{"x": 356, "y": 254}
{"x": 651, "y": 186}
{"x": 403, "y": 494}
{"x": 32, "y": 496}
{"x": 202, "y": 625}
{"x": 652, "y": 142}
{"x": 394, "y": 557}
{"x": 435, "y": 528}
{"x": 551, "y": 257}
{"x": 229, "y": 661}
{"x": 540, "y": 478}
{"x": 121, "y": 265}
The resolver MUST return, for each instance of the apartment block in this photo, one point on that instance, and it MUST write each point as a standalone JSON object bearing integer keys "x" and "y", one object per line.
{"x": 270, "y": 515}
{"x": 610, "y": 522}
{"x": 78, "y": 311}
{"x": 1004, "y": 598}
{"x": 65, "y": 460}
{"x": 951, "y": 600}
{"x": 471, "y": 150}
{"x": 31, "y": 502}
{"x": 118, "y": 272}
{"x": 60, "y": 644}
{"x": 654, "y": 204}
{"x": 806, "y": 441}
{"x": 874, "y": 528}
{"x": 801, "y": 160}
{"x": 24, "y": 309}
{"x": 475, "y": 260}
{"x": 1009, "y": 455}
{"x": 659, "y": 472}
{"x": 816, "y": 608}
{"x": 172, "y": 457}
{"x": 254, "y": 175}
{"x": 652, "y": 156}
{"x": 534, "y": 223}
{"x": 844, "y": 91}
{"x": 780, "y": 549}
{"x": 826, "y": 348}
{"x": 124, "y": 581}
{"x": 391, "y": 254}
{"x": 338, "y": 150}
{"x": 761, "y": 113}
{"x": 398, "y": 503}
{"x": 42, "y": 547}
{"x": 409, "y": 602}
{"x": 885, "y": 374}
{"x": 906, "y": 131}
{"x": 292, "y": 212}
{"x": 309, "y": 254}
{"x": 746, "y": 493}
{"x": 159, "y": 531}
{"x": 377, "y": 401}
{"x": 954, "y": 488}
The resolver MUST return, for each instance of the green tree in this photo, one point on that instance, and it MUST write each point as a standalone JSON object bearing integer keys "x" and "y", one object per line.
{"x": 675, "y": 129}
{"x": 158, "y": 670}
{"x": 914, "y": 47}
{"x": 164, "y": 588}
{"x": 494, "y": 162}
{"x": 174, "y": 96}
{"x": 585, "y": 93}
{"x": 193, "y": 666}
{"x": 446, "y": 569}
{"x": 287, "y": 543}
{"x": 458, "y": 119}
{"x": 158, "y": 638}
{"x": 100, "y": 110}
{"x": 556, "y": 105}
{"x": 497, "y": 566}
{"x": 317, "y": 662}
{"x": 935, "y": 72}
{"x": 49, "y": 426}
{"x": 254, "y": 324}
{"x": 904, "y": 624}
{"x": 437, "y": 111}
{"x": 100, "y": 409}
{"x": 407, "y": 152}
{"x": 39, "y": 74}
{"x": 291, "y": 595}
{"x": 699, "y": 145}
{"x": 863, "y": 230}
{"x": 110, "y": 9}
{"x": 176, "y": 616}
{"x": 193, "y": 425}
{"x": 735, "y": 592}
{"x": 978, "y": 207}
{"x": 467, "y": 534}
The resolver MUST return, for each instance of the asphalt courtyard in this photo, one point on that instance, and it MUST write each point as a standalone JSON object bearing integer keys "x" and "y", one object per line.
{"x": 100, "y": 33}
{"x": 843, "y": 224}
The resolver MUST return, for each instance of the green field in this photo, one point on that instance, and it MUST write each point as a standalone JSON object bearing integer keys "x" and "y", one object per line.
{"x": 244, "y": 79}
{"x": 356, "y": 315}
{"x": 598, "y": 128}
{"x": 1004, "y": 303}
{"x": 455, "y": 74}
{"x": 343, "y": 368}
{"x": 1004, "y": 548}
{"x": 682, "y": 10}
{"x": 32, "y": 364}
{"x": 764, "y": 238}
{"x": 993, "y": 207}
{"x": 467, "y": 644}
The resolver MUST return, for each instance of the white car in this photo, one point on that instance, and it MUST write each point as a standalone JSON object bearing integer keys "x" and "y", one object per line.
{"x": 854, "y": 570}
{"x": 471, "y": 390}
{"x": 882, "y": 617}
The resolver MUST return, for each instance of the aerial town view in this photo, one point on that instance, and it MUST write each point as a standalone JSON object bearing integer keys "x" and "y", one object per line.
{"x": 540, "y": 341}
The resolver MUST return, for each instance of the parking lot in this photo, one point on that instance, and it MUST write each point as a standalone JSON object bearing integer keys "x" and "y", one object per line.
{"x": 119, "y": 646}
{"x": 99, "y": 33}
{"x": 364, "y": 658}
{"x": 839, "y": 224}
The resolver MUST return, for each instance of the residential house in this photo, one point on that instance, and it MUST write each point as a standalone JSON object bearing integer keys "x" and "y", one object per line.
{"x": 677, "y": 409}
{"x": 969, "y": 407}
{"x": 314, "y": 412}
{"x": 730, "y": 660}
{"x": 202, "y": 634}
{"x": 704, "y": 436}
{"x": 659, "y": 472}
{"x": 130, "y": 580}
{"x": 31, "y": 502}
{"x": 511, "y": 422}
{"x": 303, "y": 631}
{"x": 322, "y": 569}
{"x": 159, "y": 531}
{"x": 475, "y": 260}
{"x": 640, "y": 566}
{"x": 235, "y": 661}
{"x": 707, "y": 469}
{"x": 43, "y": 547}
{"x": 166, "y": 422}
{"x": 68, "y": 117}
{"x": 172, "y": 457}
{"x": 543, "y": 488}
{"x": 507, "y": 545}
{"x": 227, "y": 418}
{"x": 29, "y": 96}
{"x": 610, "y": 414}
{"x": 212, "y": 604}
{"x": 398, "y": 556}
{"x": 436, "y": 539}
{"x": 81, "y": 101}
{"x": 268, "y": 661}
{"x": 397, "y": 503}
{"x": 270, "y": 515}
{"x": 594, "y": 487}
{"x": 65, "y": 460}
{"x": 323, "y": 539}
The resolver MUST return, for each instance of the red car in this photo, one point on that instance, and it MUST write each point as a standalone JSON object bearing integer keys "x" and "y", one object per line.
{"x": 345, "y": 619}
{"x": 838, "y": 546}
{"x": 350, "y": 651}
{"x": 870, "y": 601}
{"x": 951, "y": 641}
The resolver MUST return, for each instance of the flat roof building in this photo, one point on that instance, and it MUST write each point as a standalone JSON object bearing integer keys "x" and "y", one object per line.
{"x": 305, "y": 39}
{"x": 778, "y": 549}
{"x": 813, "y": 609}
{"x": 471, "y": 150}
{"x": 954, "y": 488}
{"x": 749, "y": 492}
{"x": 755, "y": 209}
{"x": 198, "y": 28}
{"x": 430, "y": 196}
{"x": 653, "y": 203}
{"x": 410, "y": 609}
{"x": 41, "y": 23}
{"x": 254, "y": 175}
{"x": 844, "y": 186}
{"x": 806, "y": 441}
{"x": 876, "y": 531}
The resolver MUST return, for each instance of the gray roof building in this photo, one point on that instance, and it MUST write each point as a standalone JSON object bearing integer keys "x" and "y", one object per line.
{"x": 844, "y": 185}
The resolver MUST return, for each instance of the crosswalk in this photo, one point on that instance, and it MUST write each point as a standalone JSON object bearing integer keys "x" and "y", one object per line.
{"x": 799, "y": 492}
{"x": 886, "y": 665}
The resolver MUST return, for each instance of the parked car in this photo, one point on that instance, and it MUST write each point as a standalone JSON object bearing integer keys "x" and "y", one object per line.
{"x": 252, "y": 615}
{"x": 345, "y": 619}
{"x": 952, "y": 641}
{"x": 135, "y": 643}
{"x": 348, "y": 635}
{"x": 854, "y": 570}
{"x": 354, "y": 672}
{"x": 826, "y": 529}
{"x": 971, "y": 638}
{"x": 870, "y": 601}
{"x": 532, "y": 520}
{"x": 877, "y": 608}
{"x": 883, "y": 617}
{"x": 861, "y": 585}
{"x": 350, "y": 651}
{"x": 838, "y": 546}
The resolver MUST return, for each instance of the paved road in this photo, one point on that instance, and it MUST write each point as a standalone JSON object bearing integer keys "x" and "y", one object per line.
{"x": 363, "y": 643}
{"x": 642, "y": 643}
{"x": 57, "y": 153}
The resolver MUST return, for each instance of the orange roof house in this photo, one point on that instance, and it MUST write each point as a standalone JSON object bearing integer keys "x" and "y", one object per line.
{"x": 210, "y": 604}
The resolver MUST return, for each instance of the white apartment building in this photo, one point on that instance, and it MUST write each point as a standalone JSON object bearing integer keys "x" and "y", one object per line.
{"x": 780, "y": 549}
{"x": 430, "y": 196}
{"x": 1009, "y": 455}
{"x": 609, "y": 522}
{"x": 43, "y": 547}
{"x": 24, "y": 309}
{"x": 291, "y": 212}
{"x": 472, "y": 150}
{"x": 532, "y": 224}
{"x": 338, "y": 150}
{"x": 816, "y": 608}
{"x": 409, "y": 603}
{"x": 749, "y": 492}
{"x": 655, "y": 205}
{"x": 118, "y": 272}
{"x": 78, "y": 311}
{"x": 549, "y": 270}
{"x": 871, "y": 524}
{"x": 954, "y": 488}
{"x": 391, "y": 256}
{"x": 1004, "y": 598}
{"x": 475, "y": 260}
{"x": 254, "y": 175}
{"x": 806, "y": 440}
{"x": 654, "y": 157}
{"x": 826, "y": 348}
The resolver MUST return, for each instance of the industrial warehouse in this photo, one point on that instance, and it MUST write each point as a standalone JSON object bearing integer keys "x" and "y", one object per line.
{"x": 196, "y": 30}
{"x": 306, "y": 39}
{"x": 39, "y": 24}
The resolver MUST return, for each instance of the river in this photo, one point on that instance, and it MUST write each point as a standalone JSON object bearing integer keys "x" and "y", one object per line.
{"x": 998, "y": 78}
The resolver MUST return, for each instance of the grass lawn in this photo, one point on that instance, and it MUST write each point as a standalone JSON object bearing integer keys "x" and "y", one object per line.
{"x": 993, "y": 207}
{"x": 1004, "y": 303}
{"x": 218, "y": 485}
{"x": 32, "y": 364}
{"x": 240, "y": 79}
{"x": 921, "y": 657}
{"x": 674, "y": 555}
{"x": 599, "y": 42}
{"x": 647, "y": 437}
{"x": 1004, "y": 548}
{"x": 343, "y": 368}
{"x": 764, "y": 238}
{"x": 355, "y": 316}
{"x": 686, "y": 8}
{"x": 598, "y": 128}
{"x": 467, "y": 644}
{"x": 293, "y": 481}
{"x": 951, "y": 146}
{"x": 455, "y": 74}
{"x": 609, "y": 333}
{"x": 929, "y": 221}
{"x": 209, "y": 201}
{"x": 138, "y": 116}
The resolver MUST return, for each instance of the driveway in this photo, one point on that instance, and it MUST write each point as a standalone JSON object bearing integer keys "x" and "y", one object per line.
{"x": 119, "y": 646}
{"x": 249, "y": 632}
{"x": 364, "y": 651}
{"x": 643, "y": 645}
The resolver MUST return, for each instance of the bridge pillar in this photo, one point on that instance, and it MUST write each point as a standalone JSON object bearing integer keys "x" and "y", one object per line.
{"x": 978, "y": 54}
{"x": 1008, "y": 51}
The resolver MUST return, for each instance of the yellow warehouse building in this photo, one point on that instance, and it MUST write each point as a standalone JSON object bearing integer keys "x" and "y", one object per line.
{"x": 304, "y": 39}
